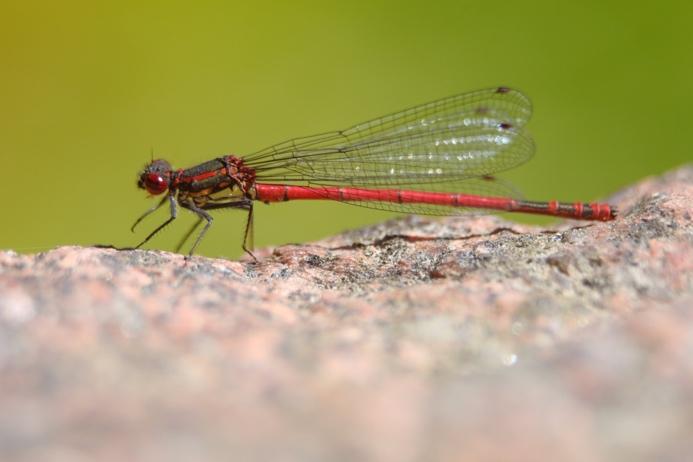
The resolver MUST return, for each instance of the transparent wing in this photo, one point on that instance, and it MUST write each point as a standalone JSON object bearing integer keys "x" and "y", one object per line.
{"x": 446, "y": 141}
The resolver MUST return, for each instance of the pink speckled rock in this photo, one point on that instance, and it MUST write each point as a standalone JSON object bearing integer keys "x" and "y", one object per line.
{"x": 415, "y": 340}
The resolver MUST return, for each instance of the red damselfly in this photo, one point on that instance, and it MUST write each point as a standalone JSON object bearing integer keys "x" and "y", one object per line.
{"x": 434, "y": 159}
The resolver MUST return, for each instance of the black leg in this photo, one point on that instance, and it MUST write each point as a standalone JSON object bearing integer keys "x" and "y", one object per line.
{"x": 149, "y": 212}
{"x": 203, "y": 216}
{"x": 249, "y": 235}
{"x": 174, "y": 212}
{"x": 245, "y": 203}
{"x": 188, "y": 234}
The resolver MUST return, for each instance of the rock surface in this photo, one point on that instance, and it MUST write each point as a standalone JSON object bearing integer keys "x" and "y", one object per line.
{"x": 415, "y": 340}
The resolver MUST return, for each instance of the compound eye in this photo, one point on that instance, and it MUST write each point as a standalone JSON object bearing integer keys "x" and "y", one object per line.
{"x": 154, "y": 183}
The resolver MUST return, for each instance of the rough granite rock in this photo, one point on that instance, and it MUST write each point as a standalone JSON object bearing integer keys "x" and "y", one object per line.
{"x": 415, "y": 340}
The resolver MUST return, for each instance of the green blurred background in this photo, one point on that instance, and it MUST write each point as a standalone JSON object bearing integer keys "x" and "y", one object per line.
{"x": 88, "y": 88}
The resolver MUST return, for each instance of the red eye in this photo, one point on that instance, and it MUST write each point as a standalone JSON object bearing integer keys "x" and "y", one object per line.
{"x": 155, "y": 183}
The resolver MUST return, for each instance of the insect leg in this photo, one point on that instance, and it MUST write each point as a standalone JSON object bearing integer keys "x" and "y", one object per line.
{"x": 245, "y": 204}
{"x": 203, "y": 215}
{"x": 188, "y": 234}
{"x": 174, "y": 212}
{"x": 149, "y": 212}
{"x": 249, "y": 235}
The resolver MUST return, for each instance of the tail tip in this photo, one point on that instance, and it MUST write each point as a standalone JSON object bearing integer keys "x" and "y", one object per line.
{"x": 611, "y": 213}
